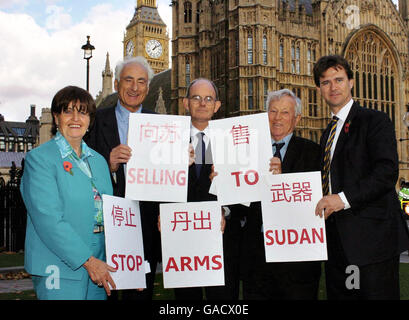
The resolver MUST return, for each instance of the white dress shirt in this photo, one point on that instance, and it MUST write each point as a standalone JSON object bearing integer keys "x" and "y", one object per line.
{"x": 342, "y": 116}
{"x": 194, "y": 139}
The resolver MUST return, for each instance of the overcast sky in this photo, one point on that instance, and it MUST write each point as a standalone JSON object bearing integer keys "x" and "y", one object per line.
{"x": 40, "y": 47}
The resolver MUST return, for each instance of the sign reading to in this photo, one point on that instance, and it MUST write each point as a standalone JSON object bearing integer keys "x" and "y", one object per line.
{"x": 241, "y": 150}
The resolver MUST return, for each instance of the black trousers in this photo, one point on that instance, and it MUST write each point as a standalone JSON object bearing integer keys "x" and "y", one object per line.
{"x": 277, "y": 281}
{"x": 344, "y": 281}
{"x": 133, "y": 294}
{"x": 232, "y": 239}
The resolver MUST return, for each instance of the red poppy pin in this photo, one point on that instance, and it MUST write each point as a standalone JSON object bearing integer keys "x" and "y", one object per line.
{"x": 346, "y": 127}
{"x": 67, "y": 167}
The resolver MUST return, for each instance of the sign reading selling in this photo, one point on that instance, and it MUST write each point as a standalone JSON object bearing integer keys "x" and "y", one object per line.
{"x": 192, "y": 244}
{"x": 158, "y": 168}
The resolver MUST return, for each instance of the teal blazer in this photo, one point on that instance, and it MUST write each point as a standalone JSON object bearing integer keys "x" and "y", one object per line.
{"x": 60, "y": 211}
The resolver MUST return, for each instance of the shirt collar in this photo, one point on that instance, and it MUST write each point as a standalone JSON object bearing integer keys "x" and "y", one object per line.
{"x": 344, "y": 111}
{"x": 123, "y": 113}
{"x": 194, "y": 131}
{"x": 66, "y": 149}
{"x": 286, "y": 139}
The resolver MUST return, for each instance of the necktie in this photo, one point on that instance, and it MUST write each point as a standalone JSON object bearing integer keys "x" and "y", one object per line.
{"x": 200, "y": 153}
{"x": 327, "y": 156}
{"x": 278, "y": 148}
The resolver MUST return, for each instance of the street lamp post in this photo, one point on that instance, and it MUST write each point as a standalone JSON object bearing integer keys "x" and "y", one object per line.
{"x": 88, "y": 47}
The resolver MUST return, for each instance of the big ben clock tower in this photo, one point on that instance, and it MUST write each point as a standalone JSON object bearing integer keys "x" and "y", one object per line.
{"x": 146, "y": 36}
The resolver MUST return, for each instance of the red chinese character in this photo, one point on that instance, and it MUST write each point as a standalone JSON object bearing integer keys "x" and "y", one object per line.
{"x": 129, "y": 216}
{"x": 240, "y": 134}
{"x": 202, "y": 219}
{"x": 117, "y": 214}
{"x": 149, "y": 132}
{"x": 302, "y": 192}
{"x": 280, "y": 192}
{"x": 169, "y": 133}
{"x": 181, "y": 217}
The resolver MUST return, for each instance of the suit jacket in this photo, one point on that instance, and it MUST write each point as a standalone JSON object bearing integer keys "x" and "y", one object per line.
{"x": 60, "y": 211}
{"x": 198, "y": 187}
{"x": 365, "y": 167}
{"x": 103, "y": 137}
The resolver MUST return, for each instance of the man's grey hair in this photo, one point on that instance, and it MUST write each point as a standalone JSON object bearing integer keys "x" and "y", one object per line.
{"x": 137, "y": 60}
{"x": 277, "y": 95}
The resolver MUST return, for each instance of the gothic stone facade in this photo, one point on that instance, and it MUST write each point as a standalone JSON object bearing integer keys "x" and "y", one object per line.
{"x": 250, "y": 47}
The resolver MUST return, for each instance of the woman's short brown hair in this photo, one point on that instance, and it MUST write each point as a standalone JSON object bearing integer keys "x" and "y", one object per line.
{"x": 70, "y": 94}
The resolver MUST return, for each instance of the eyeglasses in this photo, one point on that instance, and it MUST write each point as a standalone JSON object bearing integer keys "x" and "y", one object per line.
{"x": 208, "y": 100}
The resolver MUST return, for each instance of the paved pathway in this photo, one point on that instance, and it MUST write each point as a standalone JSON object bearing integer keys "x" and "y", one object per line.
{"x": 15, "y": 285}
{"x": 26, "y": 284}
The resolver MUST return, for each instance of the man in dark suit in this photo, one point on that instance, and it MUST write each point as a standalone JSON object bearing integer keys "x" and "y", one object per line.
{"x": 202, "y": 102}
{"x": 284, "y": 280}
{"x": 366, "y": 231}
{"x": 108, "y": 136}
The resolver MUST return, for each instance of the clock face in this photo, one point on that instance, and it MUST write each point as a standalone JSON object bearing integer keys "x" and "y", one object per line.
{"x": 153, "y": 48}
{"x": 129, "y": 48}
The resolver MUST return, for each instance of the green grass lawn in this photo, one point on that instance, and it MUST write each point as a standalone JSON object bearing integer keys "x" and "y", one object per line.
{"x": 11, "y": 259}
{"x": 16, "y": 259}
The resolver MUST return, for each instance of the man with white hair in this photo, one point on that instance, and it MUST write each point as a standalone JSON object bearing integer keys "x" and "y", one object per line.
{"x": 108, "y": 136}
{"x": 289, "y": 280}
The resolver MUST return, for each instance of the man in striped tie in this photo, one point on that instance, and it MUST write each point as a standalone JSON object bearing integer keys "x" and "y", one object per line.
{"x": 365, "y": 229}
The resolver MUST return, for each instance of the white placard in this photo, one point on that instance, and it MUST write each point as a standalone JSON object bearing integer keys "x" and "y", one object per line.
{"x": 192, "y": 244}
{"x": 124, "y": 242}
{"x": 241, "y": 151}
{"x": 158, "y": 168}
{"x": 292, "y": 231}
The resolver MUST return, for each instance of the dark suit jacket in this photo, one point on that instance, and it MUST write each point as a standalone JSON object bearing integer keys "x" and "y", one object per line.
{"x": 365, "y": 167}
{"x": 198, "y": 187}
{"x": 103, "y": 137}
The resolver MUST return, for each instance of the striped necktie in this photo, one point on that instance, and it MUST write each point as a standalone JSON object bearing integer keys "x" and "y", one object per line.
{"x": 327, "y": 156}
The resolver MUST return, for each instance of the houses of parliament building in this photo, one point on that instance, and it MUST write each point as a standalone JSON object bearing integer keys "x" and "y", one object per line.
{"x": 251, "y": 47}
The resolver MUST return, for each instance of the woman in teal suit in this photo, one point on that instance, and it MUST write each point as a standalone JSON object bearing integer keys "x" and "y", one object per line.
{"x": 62, "y": 186}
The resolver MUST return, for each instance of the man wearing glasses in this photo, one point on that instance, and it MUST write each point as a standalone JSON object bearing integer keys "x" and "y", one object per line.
{"x": 202, "y": 102}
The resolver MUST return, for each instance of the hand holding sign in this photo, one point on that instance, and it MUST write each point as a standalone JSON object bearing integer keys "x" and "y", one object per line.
{"x": 120, "y": 154}
{"x": 99, "y": 273}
